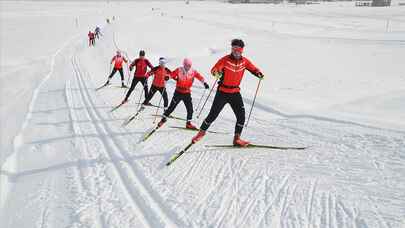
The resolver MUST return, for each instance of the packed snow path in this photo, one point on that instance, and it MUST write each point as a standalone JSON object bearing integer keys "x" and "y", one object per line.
{"x": 74, "y": 165}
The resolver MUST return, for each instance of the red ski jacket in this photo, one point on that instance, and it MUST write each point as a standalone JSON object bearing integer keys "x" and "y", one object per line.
{"x": 185, "y": 79}
{"x": 90, "y": 35}
{"x": 141, "y": 67}
{"x": 160, "y": 74}
{"x": 232, "y": 72}
{"x": 118, "y": 61}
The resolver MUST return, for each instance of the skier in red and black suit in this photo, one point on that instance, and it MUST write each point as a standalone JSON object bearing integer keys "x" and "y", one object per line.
{"x": 118, "y": 60}
{"x": 230, "y": 70}
{"x": 91, "y": 38}
{"x": 141, "y": 65}
{"x": 161, "y": 75}
{"x": 185, "y": 77}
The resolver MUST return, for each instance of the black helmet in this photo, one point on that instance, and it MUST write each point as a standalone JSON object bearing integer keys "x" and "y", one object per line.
{"x": 238, "y": 42}
{"x": 141, "y": 53}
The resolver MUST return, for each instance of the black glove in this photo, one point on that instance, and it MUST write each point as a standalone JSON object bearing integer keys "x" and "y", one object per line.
{"x": 206, "y": 85}
{"x": 260, "y": 75}
{"x": 130, "y": 68}
{"x": 167, "y": 78}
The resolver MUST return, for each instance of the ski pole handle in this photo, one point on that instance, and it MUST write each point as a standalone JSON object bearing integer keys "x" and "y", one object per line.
{"x": 254, "y": 100}
{"x": 209, "y": 94}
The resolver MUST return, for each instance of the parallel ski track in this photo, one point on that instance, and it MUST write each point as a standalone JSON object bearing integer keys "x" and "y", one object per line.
{"x": 144, "y": 201}
{"x": 82, "y": 145}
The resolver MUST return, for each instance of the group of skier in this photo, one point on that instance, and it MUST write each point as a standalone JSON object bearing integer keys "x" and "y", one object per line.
{"x": 228, "y": 73}
{"x": 93, "y": 35}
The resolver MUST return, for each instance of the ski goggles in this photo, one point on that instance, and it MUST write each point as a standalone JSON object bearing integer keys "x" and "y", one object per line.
{"x": 237, "y": 49}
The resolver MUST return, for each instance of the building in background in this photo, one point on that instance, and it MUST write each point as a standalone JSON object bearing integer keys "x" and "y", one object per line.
{"x": 381, "y": 3}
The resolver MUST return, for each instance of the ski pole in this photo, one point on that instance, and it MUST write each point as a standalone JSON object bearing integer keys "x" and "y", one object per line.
{"x": 129, "y": 74}
{"x": 209, "y": 94}
{"x": 254, "y": 100}
{"x": 160, "y": 101}
{"x": 199, "y": 102}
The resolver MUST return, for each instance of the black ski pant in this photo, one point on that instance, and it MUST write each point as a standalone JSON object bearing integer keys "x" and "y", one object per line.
{"x": 177, "y": 97}
{"x": 221, "y": 99}
{"x": 152, "y": 92}
{"x": 91, "y": 42}
{"x": 135, "y": 81}
{"x": 114, "y": 71}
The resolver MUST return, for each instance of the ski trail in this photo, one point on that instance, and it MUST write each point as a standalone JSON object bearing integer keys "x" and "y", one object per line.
{"x": 18, "y": 139}
{"x": 88, "y": 189}
{"x": 151, "y": 208}
{"x": 135, "y": 201}
{"x": 276, "y": 196}
{"x": 311, "y": 201}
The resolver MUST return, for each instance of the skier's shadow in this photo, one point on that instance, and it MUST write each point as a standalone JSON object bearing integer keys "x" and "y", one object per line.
{"x": 167, "y": 156}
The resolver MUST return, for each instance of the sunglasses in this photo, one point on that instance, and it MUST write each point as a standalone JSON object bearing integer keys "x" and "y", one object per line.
{"x": 237, "y": 49}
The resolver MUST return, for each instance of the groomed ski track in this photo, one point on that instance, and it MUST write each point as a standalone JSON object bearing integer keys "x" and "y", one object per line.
{"x": 75, "y": 166}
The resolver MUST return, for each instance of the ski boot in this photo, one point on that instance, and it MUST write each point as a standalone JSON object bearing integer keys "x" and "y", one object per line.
{"x": 198, "y": 137}
{"x": 162, "y": 121}
{"x": 237, "y": 141}
{"x": 189, "y": 125}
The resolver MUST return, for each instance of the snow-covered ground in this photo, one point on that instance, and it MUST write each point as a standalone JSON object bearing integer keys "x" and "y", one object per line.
{"x": 335, "y": 81}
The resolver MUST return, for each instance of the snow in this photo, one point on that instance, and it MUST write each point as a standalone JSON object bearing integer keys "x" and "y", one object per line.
{"x": 335, "y": 82}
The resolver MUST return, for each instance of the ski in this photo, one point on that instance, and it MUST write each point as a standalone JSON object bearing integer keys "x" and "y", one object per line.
{"x": 258, "y": 146}
{"x": 171, "y": 117}
{"x": 152, "y": 105}
{"x": 177, "y": 155}
{"x": 133, "y": 116}
{"x": 104, "y": 85}
{"x": 148, "y": 135}
{"x": 188, "y": 129}
{"x": 120, "y": 87}
{"x": 116, "y": 107}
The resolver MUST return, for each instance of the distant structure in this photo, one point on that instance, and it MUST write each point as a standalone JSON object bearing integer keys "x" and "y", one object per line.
{"x": 373, "y": 2}
{"x": 381, "y": 3}
{"x": 255, "y": 1}
{"x": 303, "y": 2}
{"x": 364, "y": 2}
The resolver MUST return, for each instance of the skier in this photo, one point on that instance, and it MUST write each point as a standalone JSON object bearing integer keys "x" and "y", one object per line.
{"x": 141, "y": 66}
{"x": 91, "y": 38}
{"x": 185, "y": 77}
{"x": 229, "y": 70}
{"x": 161, "y": 75}
{"x": 97, "y": 32}
{"x": 118, "y": 60}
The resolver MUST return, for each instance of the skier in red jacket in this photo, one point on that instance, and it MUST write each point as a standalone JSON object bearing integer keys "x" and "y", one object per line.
{"x": 141, "y": 65}
{"x": 229, "y": 70}
{"x": 185, "y": 77}
{"x": 161, "y": 75}
{"x": 118, "y": 60}
{"x": 91, "y": 36}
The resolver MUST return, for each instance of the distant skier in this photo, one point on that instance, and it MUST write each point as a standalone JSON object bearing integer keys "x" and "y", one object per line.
{"x": 229, "y": 70}
{"x": 184, "y": 76}
{"x": 91, "y": 38}
{"x": 141, "y": 65}
{"x": 97, "y": 32}
{"x": 161, "y": 75}
{"x": 118, "y": 60}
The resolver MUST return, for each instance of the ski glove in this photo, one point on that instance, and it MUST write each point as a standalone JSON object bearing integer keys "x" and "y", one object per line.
{"x": 260, "y": 75}
{"x": 167, "y": 78}
{"x": 130, "y": 68}
{"x": 206, "y": 85}
{"x": 217, "y": 75}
